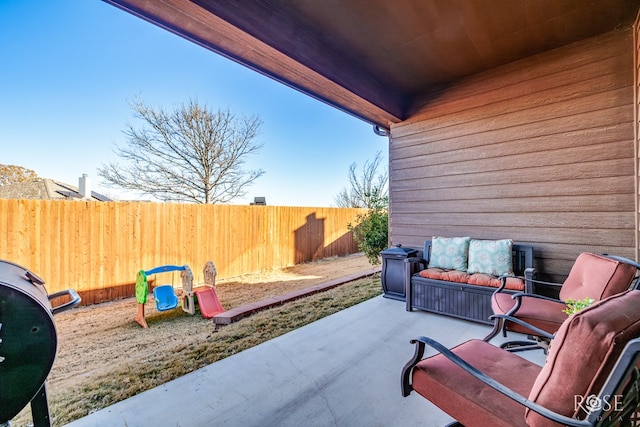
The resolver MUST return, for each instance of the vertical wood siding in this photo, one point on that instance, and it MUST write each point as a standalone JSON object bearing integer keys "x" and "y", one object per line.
{"x": 541, "y": 151}
{"x": 97, "y": 248}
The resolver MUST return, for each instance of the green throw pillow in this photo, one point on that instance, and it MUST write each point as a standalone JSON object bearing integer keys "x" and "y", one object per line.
{"x": 491, "y": 257}
{"x": 449, "y": 253}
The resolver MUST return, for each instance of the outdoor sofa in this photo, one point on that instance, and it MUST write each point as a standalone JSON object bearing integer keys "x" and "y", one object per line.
{"x": 458, "y": 275}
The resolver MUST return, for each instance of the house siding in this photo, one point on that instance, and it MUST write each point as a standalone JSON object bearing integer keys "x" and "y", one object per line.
{"x": 540, "y": 150}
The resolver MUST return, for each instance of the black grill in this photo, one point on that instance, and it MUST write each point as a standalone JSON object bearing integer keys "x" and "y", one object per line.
{"x": 28, "y": 341}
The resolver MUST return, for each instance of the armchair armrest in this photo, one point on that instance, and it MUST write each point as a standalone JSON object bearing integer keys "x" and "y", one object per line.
{"x": 521, "y": 322}
{"x": 529, "y": 286}
{"x": 542, "y": 282}
{"x": 471, "y": 370}
{"x": 518, "y": 298}
{"x": 528, "y": 295}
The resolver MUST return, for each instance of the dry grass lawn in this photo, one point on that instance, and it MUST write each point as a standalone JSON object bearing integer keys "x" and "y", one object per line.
{"x": 104, "y": 356}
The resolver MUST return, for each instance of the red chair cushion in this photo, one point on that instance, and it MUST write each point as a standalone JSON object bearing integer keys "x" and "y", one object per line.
{"x": 443, "y": 274}
{"x": 469, "y": 400}
{"x": 597, "y": 277}
{"x": 478, "y": 279}
{"x": 543, "y": 314}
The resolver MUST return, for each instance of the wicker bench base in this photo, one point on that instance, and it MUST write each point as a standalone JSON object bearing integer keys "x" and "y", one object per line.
{"x": 469, "y": 302}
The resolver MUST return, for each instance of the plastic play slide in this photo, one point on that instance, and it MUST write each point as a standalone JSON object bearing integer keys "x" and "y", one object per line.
{"x": 208, "y": 302}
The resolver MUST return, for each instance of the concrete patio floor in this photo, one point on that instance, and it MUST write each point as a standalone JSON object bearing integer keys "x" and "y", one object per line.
{"x": 343, "y": 370}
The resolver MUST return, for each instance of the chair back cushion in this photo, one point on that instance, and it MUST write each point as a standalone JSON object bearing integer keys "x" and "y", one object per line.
{"x": 583, "y": 353}
{"x": 598, "y": 277}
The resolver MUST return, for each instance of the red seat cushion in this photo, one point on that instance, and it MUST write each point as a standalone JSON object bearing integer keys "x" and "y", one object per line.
{"x": 432, "y": 273}
{"x": 543, "y": 314}
{"x": 478, "y": 279}
{"x": 481, "y": 279}
{"x": 444, "y": 274}
{"x": 469, "y": 400}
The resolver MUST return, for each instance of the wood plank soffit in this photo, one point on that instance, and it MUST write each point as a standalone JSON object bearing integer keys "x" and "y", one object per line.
{"x": 190, "y": 21}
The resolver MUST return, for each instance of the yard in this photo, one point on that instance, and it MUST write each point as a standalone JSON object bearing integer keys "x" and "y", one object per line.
{"x": 104, "y": 356}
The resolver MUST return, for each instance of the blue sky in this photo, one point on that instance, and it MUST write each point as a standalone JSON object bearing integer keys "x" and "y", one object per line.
{"x": 69, "y": 69}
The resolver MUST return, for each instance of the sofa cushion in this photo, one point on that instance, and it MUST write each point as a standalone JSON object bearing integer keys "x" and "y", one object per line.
{"x": 433, "y": 273}
{"x": 582, "y": 354}
{"x": 478, "y": 279}
{"x": 449, "y": 252}
{"x": 446, "y": 275}
{"x": 481, "y": 279}
{"x": 491, "y": 257}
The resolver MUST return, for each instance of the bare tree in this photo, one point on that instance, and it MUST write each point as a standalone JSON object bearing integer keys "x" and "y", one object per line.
{"x": 191, "y": 154}
{"x": 367, "y": 190}
{"x": 10, "y": 174}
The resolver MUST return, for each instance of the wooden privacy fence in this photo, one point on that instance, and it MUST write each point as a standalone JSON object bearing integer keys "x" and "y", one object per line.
{"x": 97, "y": 247}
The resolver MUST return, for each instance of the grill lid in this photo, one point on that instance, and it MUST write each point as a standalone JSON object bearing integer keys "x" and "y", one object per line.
{"x": 28, "y": 339}
{"x": 400, "y": 251}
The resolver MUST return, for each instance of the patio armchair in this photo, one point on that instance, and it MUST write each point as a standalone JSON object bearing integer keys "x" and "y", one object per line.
{"x": 590, "y": 378}
{"x": 592, "y": 276}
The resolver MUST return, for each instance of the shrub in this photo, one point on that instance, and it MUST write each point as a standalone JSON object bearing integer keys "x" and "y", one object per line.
{"x": 574, "y": 306}
{"x": 371, "y": 233}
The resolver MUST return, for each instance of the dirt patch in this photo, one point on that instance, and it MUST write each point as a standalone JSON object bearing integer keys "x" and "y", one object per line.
{"x": 96, "y": 340}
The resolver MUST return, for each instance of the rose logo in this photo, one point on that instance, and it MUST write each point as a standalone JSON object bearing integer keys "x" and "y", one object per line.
{"x": 593, "y": 403}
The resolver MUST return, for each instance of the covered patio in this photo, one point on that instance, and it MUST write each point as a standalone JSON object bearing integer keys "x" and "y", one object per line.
{"x": 343, "y": 370}
{"x": 516, "y": 120}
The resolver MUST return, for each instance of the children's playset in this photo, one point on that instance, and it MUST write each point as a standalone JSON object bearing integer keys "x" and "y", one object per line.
{"x": 168, "y": 298}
